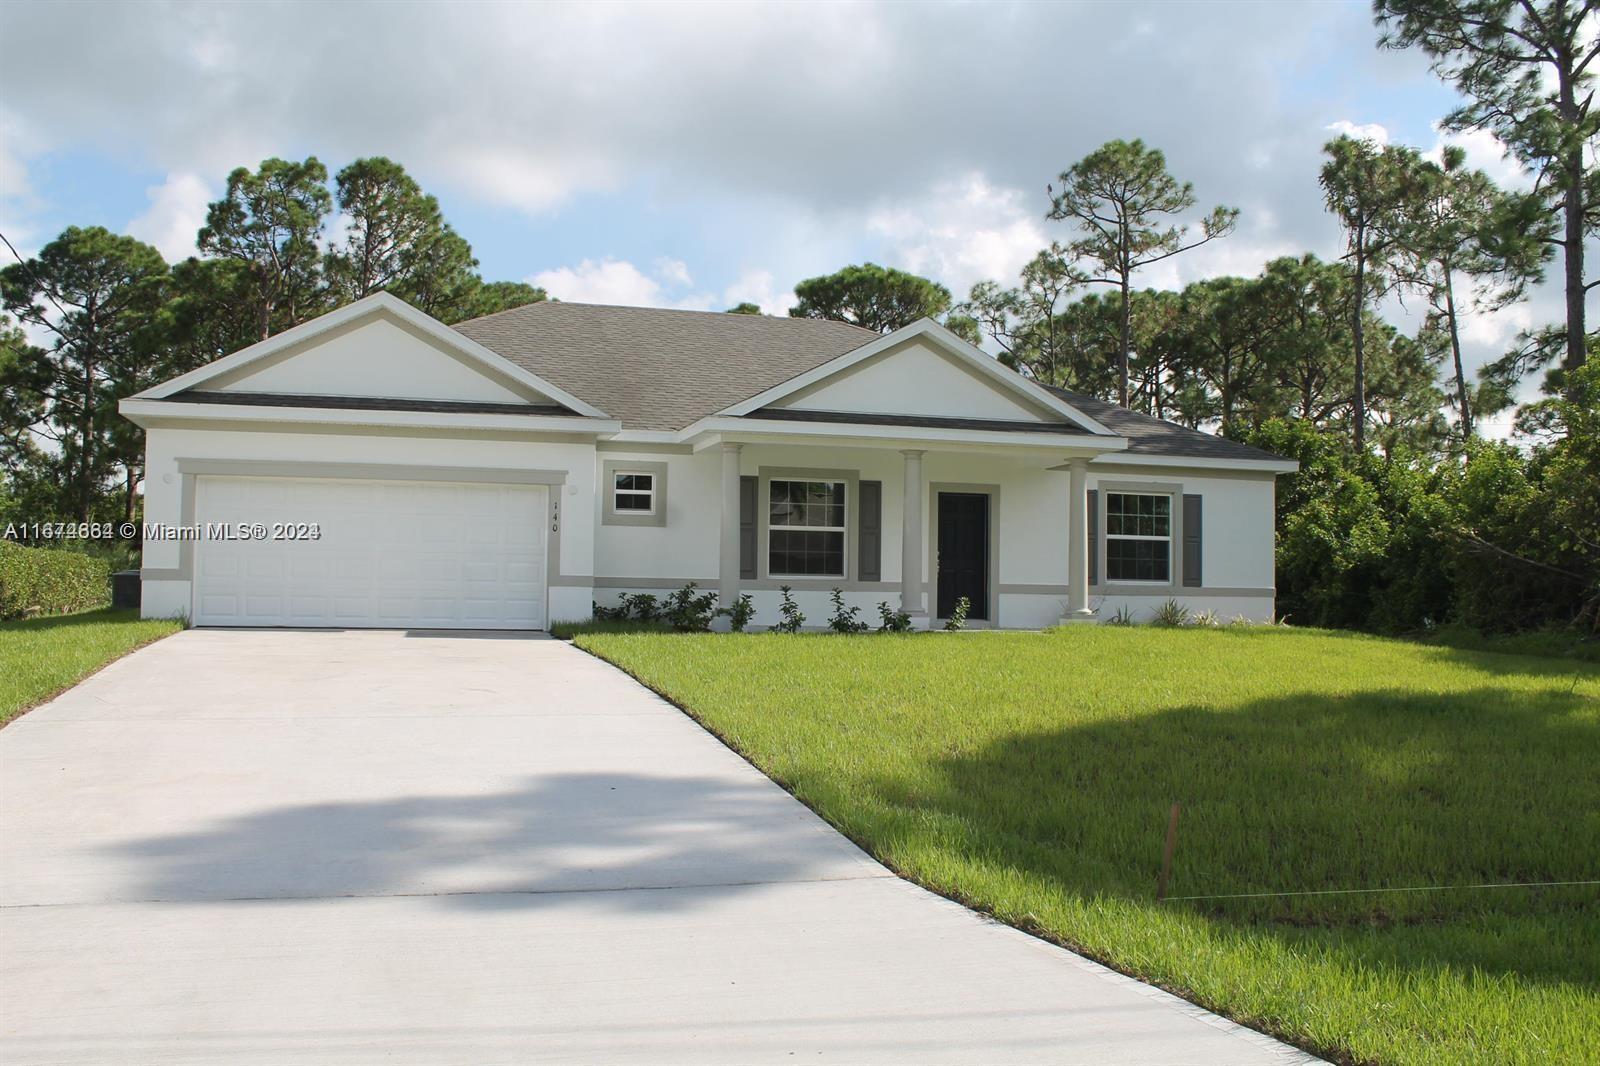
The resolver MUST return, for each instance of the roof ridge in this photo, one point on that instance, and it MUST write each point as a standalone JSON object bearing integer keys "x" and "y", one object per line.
{"x": 533, "y": 305}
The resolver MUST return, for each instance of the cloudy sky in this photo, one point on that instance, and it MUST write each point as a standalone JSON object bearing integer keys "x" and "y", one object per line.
{"x": 700, "y": 155}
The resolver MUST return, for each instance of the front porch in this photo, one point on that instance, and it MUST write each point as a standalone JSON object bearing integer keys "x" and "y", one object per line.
{"x": 916, "y": 524}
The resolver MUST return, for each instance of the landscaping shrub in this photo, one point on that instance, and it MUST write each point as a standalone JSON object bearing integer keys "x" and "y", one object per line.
{"x": 958, "y": 615}
{"x": 844, "y": 619}
{"x": 688, "y": 613}
{"x": 50, "y": 581}
{"x": 791, "y": 619}
{"x": 1122, "y": 616}
{"x": 1171, "y": 613}
{"x": 739, "y": 615}
{"x": 893, "y": 621}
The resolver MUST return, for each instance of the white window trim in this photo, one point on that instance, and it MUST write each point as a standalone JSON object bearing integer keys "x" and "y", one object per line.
{"x": 616, "y": 492}
{"x": 1109, "y": 536}
{"x": 843, "y": 531}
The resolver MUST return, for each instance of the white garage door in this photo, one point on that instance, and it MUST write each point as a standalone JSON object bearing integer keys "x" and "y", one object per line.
{"x": 413, "y": 554}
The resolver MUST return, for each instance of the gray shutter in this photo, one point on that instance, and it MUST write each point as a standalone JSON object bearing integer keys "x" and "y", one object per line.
{"x": 748, "y": 489}
{"x": 1191, "y": 541}
{"x": 871, "y": 531}
{"x": 1094, "y": 536}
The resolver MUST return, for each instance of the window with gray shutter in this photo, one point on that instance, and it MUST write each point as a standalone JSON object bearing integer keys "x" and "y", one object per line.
{"x": 871, "y": 530}
{"x": 749, "y": 490}
{"x": 1191, "y": 541}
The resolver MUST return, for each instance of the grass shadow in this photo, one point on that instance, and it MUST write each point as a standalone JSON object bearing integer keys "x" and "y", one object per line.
{"x": 1395, "y": 789}
{"x": 77, "y": 619}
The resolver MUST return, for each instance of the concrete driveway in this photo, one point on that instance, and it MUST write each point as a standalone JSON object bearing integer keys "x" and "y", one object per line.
{"x": 351, "y": 847}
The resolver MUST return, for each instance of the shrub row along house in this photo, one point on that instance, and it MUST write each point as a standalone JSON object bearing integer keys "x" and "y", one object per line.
{"x": 391, "y": 471}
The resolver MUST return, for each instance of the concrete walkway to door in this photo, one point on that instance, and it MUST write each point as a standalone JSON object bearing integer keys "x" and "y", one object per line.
{"x": 351, "y": 847}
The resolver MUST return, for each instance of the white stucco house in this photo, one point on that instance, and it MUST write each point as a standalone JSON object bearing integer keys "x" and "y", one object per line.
{"x": 375, "y": 467}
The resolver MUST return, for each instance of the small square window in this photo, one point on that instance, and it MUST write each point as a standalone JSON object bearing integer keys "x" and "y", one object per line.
{"x": 633, "y": 493}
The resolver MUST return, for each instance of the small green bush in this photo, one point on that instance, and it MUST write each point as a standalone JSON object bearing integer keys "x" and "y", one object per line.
{"x": 1123, "y": 616}
{"x": 893, "y": 621}
{"x": 50, "y": 581}
{"x": 688, "y": 613}
{"x": 958, "y": 615}
{"x": 792, "y": 618}
{"x": 739, "y": 615}
{"x": 844, "y": 618}
{"x": 1171, "y": 613}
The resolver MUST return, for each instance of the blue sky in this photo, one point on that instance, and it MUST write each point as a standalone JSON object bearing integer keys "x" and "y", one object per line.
{"x": 698, "y": 155}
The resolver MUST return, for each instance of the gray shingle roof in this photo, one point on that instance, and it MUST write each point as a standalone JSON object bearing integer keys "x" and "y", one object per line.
{"x": 1154, "y": 436}
{"x": 660, "y": 369}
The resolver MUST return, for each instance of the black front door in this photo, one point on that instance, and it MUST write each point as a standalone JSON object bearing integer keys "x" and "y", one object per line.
{"x": 964, "y": 553}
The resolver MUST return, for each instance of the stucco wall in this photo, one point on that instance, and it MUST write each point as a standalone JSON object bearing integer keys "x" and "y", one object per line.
{"x": 601, "y": 561}
{"x": 1237, "y": 541}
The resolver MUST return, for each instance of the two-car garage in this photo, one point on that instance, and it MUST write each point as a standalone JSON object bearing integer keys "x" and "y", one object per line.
{"x": 349, "y": 553}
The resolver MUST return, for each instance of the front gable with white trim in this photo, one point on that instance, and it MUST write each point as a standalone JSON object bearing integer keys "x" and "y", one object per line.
{"x": 378, "y": 356}
{"x": 910, "y": 470}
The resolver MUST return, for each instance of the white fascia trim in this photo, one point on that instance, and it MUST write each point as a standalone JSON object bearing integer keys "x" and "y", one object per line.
{"x": 142, "y": 411}
{"x": 710, "y": 431}
{"x": 979, "y": 360}
{"x": 367, "y": 306}
{"x": 1274, "y": 466}
{"x": 648, "y": 436}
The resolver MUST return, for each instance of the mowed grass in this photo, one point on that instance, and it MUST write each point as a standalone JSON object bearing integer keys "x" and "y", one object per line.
{"x": 1031, "y": 776}
{"x": 39, "y": 657}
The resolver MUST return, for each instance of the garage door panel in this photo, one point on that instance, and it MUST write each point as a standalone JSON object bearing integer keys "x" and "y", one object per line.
{"x": 391, "y": 554}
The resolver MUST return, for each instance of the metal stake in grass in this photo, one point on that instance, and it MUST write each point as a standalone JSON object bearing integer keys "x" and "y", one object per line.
{"x": 1166, "y": 855}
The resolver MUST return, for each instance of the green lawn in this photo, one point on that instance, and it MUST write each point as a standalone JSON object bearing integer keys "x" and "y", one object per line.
{"x": 40, "y": 657}
{"x": 1030, "y": 776}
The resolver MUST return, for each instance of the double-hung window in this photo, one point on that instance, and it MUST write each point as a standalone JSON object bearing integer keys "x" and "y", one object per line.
{"x": 805, "y": 528}
{"x": 1138, "y": 537}
{"x": 633, "y": 493}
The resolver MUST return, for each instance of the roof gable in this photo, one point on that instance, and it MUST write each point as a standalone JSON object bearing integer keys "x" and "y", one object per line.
{"x": 378, "y": 347}
{"x": 920, "y": 371}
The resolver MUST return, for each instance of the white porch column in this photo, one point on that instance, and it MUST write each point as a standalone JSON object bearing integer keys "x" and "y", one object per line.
{"x": 728, "y": 573}
{"x": 911, "y": 537}
{"x": 1078, "y": 541}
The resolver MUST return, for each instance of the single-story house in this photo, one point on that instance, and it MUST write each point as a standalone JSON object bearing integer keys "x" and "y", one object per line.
{"x": 375, "y": 467}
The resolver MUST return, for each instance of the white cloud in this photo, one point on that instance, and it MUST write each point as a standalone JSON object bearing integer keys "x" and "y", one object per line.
{"x": 759, "y": 288}
{"x": 673, "y": 271}
{"x": 531, "y": 181}
{"x": 1371, "y": 131}
{"x": 962, "y": 231}
{"x": 608, "y": 281}
{"x": 176, "y": 213}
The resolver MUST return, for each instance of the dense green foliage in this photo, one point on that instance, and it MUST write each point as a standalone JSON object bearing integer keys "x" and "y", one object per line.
{"x": 50, "y": 581}
{"x": 1504, "y": 539}
{"x": 871, "y": 296}
{"x": 1030, "y": 775}
{"x": 40, "y": 657}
